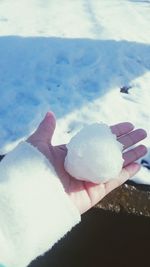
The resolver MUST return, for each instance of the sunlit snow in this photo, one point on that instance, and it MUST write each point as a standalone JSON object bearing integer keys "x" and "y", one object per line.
{"x": 73, "y": 57}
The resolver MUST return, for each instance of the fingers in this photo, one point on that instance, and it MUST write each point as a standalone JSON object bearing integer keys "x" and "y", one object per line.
{"x": 122, "y": 128}
{"x": 98, "y": 191}
{"x": 126, "y": 173}
{"x": 45, "y": 130}
{"x": 134, "y": 154}
{"x": 132, "y": 138}
{"x": 128, "y": 138}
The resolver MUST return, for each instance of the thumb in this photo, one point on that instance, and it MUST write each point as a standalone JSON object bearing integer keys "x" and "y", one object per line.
{"x": 45, "y": 130}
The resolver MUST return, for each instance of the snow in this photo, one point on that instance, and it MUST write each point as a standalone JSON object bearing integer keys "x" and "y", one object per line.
{"x": 73, "y": 58}
{"x": 94, "y": 154}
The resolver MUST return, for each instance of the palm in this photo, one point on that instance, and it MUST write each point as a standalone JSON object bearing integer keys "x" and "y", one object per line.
{"x": 86, "y": 194}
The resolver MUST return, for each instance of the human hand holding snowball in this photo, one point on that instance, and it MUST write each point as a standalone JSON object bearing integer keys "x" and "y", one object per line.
{"x": 86, "y": 194}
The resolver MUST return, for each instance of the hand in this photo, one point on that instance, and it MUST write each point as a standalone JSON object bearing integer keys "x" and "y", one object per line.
{"x": 86, "y": 194}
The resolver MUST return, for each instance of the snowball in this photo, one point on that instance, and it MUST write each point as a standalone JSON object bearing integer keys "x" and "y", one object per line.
{"x": 94, "y": 154}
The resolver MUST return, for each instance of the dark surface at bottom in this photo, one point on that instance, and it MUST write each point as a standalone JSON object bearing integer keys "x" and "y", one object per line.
{"x": 102, "y": 239}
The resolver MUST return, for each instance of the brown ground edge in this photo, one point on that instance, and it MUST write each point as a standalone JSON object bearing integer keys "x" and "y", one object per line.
{"x": 129, "y": 198}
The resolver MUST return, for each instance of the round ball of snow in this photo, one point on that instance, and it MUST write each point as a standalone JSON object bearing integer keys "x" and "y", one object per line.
{"x": 94, "y": 154}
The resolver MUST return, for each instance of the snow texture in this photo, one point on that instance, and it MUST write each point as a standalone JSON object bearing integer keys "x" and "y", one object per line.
{"x": 73, "y": 58}
{"x": 94, "y": 154}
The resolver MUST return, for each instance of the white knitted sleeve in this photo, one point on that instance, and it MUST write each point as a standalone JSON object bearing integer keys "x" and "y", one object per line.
{"x": 35, "y": 211}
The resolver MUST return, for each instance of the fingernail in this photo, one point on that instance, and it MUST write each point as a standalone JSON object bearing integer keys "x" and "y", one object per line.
{"x": 143, "y": 133}
{"x": 48, "y": 114}
{"x": 143, "y": 149}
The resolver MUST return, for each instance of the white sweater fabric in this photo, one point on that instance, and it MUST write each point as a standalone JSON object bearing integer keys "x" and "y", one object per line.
{"x": 35, "y": 211}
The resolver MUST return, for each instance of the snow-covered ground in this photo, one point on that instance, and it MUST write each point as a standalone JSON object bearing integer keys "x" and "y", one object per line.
{"x": 73, "y": 56}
